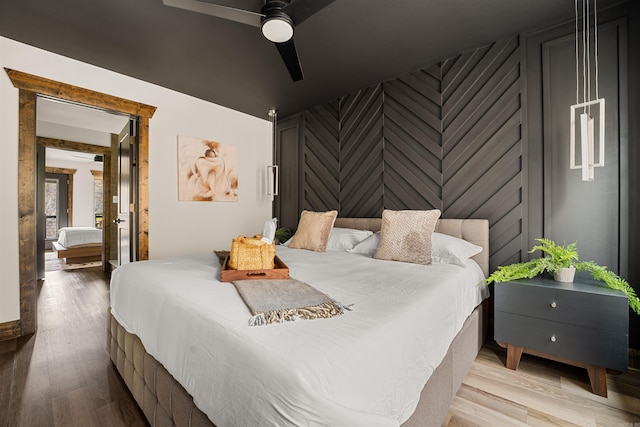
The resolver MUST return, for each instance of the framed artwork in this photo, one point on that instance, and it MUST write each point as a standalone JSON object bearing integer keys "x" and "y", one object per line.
{"x": 207, "y": 170}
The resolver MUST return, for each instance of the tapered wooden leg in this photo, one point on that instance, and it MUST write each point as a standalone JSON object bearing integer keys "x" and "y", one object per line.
{"x": 598, "y": 379}
{"x": 514, "y": 353}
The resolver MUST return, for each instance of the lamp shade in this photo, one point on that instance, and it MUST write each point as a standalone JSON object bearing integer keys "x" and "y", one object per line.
{"x": 277, "y": 29}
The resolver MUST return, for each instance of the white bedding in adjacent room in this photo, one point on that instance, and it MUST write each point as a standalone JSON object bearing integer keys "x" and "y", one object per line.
{"x": 76, "y": 236}
{"x": 364, "y": 368}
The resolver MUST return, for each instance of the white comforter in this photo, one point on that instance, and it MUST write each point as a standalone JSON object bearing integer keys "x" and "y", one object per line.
{"x": 76, "y": 236}
{"x": 364, "y": 368}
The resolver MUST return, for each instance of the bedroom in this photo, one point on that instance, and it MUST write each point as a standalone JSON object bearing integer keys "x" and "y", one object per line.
{"x": 178, "y": 228}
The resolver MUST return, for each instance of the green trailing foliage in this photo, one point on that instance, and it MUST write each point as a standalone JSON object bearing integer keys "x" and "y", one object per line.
{"x": 561, "y": 256}
{"x": 283, "y": 234}
{"x": 557, "y": 256}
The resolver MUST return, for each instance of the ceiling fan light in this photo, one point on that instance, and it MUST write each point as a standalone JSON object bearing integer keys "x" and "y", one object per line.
{"x": 277, "y": 29}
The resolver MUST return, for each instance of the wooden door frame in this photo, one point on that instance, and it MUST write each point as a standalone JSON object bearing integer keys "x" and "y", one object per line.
{"x": 29, "y": 88}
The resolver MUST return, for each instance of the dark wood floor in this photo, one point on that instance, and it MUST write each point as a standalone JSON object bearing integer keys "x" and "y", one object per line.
{"x": 62, "y": 375}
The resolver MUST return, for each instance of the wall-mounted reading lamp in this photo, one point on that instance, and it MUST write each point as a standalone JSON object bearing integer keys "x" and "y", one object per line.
{"x": 272, "y": 170}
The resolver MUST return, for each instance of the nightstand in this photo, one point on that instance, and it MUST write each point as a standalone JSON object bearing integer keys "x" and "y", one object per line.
{"x": 584, "y": 324}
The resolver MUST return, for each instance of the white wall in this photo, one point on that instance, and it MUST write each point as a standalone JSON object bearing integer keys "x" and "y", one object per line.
{"x": 175, "y": 228}
{"x": 72, "y": 133}
{"x": 82, "y": 190}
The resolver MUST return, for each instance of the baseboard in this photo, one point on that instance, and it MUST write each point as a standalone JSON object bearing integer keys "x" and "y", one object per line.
{"x": 8, "y": 346}
{"x": 634, "y": 359}
{"x": 10, "y": 330}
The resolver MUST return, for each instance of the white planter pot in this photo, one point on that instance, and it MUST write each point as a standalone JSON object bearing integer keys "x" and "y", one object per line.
{"x": 564, "y": 274}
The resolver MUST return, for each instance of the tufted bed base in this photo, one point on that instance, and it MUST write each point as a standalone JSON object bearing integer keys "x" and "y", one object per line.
{"x": 166, "y": 403}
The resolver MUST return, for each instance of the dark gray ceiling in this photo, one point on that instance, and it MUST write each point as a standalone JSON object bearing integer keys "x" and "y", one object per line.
{"x": 349, "y": 45}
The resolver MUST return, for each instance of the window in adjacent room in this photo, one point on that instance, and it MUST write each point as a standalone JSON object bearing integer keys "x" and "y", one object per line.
{"x": 98, "y": 196}
{"x": 51, "y": 203}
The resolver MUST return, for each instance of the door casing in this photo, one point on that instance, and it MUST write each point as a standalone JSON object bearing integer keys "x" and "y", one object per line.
{"x": 29, "y": 87}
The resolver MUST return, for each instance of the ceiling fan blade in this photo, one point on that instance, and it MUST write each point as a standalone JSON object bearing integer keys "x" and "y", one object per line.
{"x": 238, "y": 15}
{"x": 300, "y": 10}
{"x": 290, "y": 57}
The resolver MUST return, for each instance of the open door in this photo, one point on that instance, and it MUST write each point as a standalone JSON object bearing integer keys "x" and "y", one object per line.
{"x": 127, "y": 182}
{"x": 40, "y": 215}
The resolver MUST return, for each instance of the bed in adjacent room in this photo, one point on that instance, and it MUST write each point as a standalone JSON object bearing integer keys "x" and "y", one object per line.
{"x": 79, "y": 244}
{"x": 181, "y": 339}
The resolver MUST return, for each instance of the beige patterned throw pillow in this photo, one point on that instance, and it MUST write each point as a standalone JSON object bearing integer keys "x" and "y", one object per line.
{"x": 406, "y": 235}
{"x": 313, "y": 230}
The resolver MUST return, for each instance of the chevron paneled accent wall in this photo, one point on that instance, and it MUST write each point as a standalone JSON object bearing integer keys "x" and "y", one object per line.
{"x": 361, "y": 153}
{"x": 413, "y": 141}
{"x": 321, "y": 148}
{"x": 482, "y": 144}
{"x": 448, "y": 136}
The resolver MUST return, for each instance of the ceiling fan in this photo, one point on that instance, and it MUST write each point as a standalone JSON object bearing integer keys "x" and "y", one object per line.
{"x": 276, "y": 19}
{"x": 88, "y": 157}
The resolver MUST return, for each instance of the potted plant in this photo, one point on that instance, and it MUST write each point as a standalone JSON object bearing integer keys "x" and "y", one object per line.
{"x": 283, "y": 234}
{"x": 557, "y": 258}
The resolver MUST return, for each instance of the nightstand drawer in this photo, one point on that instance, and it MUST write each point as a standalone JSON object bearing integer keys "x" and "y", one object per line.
{"x": 595, "y": 346}
{"x": 550, "y": 300}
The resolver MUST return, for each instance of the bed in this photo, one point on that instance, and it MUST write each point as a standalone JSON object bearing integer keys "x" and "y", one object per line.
{"x": 79, "y": 244}
{"x": 162, "y": 384}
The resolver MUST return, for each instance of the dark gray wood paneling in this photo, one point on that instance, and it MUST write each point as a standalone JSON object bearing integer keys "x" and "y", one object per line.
{"x": 467, "y": 136}
{"x": 412, "y": 141}
{"x": 633, "y": 144}
{"x": 575, "y": 210}
{"x": 361, "y": 166}
{"x": 482, "y": 144}
{"x": 321, "y": 165}
{"x": 288, "y": 158}
{"x": 448, "y": 136}
{"x": 539, "y": 170}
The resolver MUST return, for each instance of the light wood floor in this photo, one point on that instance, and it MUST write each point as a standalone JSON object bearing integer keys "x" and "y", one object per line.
{"x": 541, "y": 393}
{"x": 62, "y": 375}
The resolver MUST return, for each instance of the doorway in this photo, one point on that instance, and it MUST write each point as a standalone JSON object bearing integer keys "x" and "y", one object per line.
{"x": 92, "y": 167}
{"x": 29, "y": 87}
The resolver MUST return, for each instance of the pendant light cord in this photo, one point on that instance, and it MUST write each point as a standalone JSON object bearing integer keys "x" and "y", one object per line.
{"x": 577, "y": 58}
{"x": 595, "y": 34}
{"x": 586, "y": 53}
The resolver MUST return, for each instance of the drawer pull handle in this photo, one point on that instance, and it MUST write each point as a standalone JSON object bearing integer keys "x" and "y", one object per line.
{"x": 553, "y": 338}
{"x": 553, "y": 305}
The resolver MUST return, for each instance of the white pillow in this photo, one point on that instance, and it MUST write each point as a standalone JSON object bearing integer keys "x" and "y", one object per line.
{"x": 368, "y": 246}
{"x": 344, "y": 239}
{"x": 447, "y": 249}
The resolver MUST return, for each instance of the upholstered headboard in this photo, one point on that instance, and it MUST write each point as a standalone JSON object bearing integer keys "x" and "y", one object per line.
{"x": 475, "y": 231}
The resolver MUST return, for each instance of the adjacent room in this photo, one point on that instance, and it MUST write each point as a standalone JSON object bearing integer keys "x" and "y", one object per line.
{"x": 319, "y": 212}
{"x": 72, "y": 200}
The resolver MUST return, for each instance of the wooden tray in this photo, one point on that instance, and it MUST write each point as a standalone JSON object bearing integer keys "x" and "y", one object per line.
{"x": 281, "y": 271}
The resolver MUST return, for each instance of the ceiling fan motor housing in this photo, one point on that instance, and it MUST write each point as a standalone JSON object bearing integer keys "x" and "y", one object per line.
{"x": 277, "y": 26}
